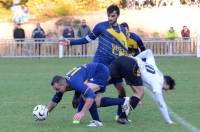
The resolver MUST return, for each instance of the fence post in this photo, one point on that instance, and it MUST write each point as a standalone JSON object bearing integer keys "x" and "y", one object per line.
{"x": 198, "y": 46}
{"x": 170, "y": 47}
{"x": 61, "y": 51}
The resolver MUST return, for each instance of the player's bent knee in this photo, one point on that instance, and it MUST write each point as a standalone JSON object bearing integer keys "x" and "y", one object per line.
{"x": 89, "y": 93}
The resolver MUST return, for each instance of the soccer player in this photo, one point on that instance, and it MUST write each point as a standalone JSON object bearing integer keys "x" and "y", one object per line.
{"x": 154, "y": 78}
{"x": 135, "y": 44}
{"x": 112, "y": 38}
{"x": 125, "y": 67}
{"x": 87, "y": 79}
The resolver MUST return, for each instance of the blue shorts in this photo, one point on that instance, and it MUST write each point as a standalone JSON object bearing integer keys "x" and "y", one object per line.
{"x": 100, "y": 77}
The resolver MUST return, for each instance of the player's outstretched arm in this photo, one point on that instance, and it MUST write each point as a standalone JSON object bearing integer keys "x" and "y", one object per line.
{"x": 163, "y": 107}
{"x": 55, "y": 100}
{"x": 51, "y": 106}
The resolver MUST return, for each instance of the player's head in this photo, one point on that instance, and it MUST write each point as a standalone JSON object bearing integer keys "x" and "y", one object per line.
{"x": 125, "y": 25}
{"x": 113, "y": 13}
{"x": 59, "y": 83}
{"x": 169, "y": 83}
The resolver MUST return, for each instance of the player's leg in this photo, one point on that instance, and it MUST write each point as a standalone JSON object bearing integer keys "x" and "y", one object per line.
{"x": 76, "y": 99}
{"x": 121, "y": 94}
{"x": 136, "y": 84}
{"x": 137, "y": 96}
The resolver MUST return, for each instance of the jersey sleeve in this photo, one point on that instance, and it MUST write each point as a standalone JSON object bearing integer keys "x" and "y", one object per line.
{"x": 57, "y": 97}
{"x": 140, "y": 44}
{"x": 92, "y": 36}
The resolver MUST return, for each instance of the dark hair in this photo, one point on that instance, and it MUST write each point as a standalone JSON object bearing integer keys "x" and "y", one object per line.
{"x": 170, "y": 81}
{"x": 124, "y": 24}
{"x": 112, "y": 8}
{"x": 56, "y": 79}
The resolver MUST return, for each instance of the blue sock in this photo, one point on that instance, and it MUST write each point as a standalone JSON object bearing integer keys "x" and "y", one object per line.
{"x": 119, "y": 108}
{"x": 81, "y": 104}
{"x": 106, "y": 101}
{"x": 93, "y": 112}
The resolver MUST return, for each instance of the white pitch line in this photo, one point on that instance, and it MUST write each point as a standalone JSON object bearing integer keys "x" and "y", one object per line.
{"x": 179, "y": 119}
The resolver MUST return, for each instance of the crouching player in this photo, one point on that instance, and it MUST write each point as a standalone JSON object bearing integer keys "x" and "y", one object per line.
{"x": 87, "y": 79}
{"x": 154, "y": 78}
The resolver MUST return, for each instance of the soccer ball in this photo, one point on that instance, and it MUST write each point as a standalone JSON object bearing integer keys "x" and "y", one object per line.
{"x": 40, "y": 112}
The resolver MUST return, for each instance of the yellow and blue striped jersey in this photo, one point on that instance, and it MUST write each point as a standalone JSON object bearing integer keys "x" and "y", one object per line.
{"x": 112, "y": 42}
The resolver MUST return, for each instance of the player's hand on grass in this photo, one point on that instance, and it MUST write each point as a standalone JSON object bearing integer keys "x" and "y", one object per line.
{"x": 171, "y": 123}
{"x": 78, "y": 116}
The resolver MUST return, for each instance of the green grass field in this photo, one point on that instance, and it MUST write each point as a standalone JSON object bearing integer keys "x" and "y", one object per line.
{"x": 24, "y": 83}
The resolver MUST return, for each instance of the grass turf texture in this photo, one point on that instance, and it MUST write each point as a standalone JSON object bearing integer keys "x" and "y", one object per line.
{"x": 25, "y": 83}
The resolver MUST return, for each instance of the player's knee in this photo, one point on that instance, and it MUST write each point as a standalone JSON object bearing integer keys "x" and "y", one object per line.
{"x": 89, "y": 93}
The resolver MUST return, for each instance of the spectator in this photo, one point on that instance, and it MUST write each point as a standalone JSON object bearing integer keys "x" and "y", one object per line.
{"x": 83, "y": 31}
{"x": 19, "y": 36}
{"x": 68, "y": 32}
{"x": 185, "y": 33}
{"x": 171, "y": 43}
{"x": 19, "y": 32}
{"x": 171, "y": 34}
{"x": 38, "y": 33}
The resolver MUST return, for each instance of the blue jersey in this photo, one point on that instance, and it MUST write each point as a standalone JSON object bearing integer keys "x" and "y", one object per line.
{"x": 93, "y": 73}
{"x": 112, "y": 42}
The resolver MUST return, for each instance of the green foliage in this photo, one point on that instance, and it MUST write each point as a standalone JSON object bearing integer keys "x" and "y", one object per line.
{"x": 76, "y": 23}
{"x": 5, "y": 15}
{"x": 6, "y": 3}
{"x": 53, "y": 8}
{"x": 64, "y": 21}
{"x": 106, "y": 3}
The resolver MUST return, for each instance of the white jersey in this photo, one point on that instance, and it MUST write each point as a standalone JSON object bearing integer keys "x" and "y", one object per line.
{"x": 152, "y": 76}
{"x": 150, "y": 73}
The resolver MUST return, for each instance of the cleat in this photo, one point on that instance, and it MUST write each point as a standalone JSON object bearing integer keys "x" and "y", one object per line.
{"x": 126, "y": 106}
{"x": 122, "y": 121}
{"x": 117, "y": 117}
{"x": 95, "y": 123}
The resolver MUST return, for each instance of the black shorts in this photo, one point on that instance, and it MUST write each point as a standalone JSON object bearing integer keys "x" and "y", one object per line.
{"x": 127, "y": 68}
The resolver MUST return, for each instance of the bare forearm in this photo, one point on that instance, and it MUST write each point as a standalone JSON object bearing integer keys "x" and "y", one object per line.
{"x": 87, "y": 105}
{"x": 51, "y": 106}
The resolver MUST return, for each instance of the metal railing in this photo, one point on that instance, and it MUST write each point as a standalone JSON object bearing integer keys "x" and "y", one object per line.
{"x": 50, "y": 48}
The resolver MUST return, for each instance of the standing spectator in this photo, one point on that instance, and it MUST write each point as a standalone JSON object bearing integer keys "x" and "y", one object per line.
{"x": 38, "y": 34}
{"x": 171, "y": 34}
{"x": 83, "y": 31}
{"x": 171, "y": 37}
{"x": 185, "y": 33}
{"x": 68, "y": 32}
{"x": 19, "y": 36}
